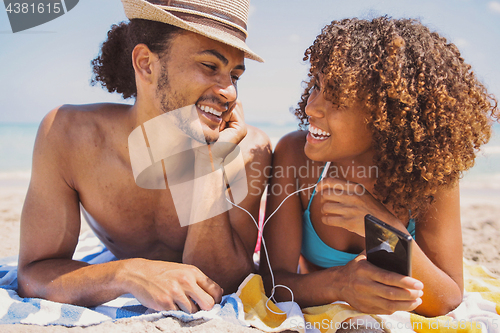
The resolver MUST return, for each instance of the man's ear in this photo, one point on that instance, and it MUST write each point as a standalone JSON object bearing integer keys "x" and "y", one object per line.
{"x": 143, "y": 61}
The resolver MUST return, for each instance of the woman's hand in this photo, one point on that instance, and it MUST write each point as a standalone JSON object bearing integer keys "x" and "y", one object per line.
{"x": 373, "y": 290}
{"x": 344, "y": 204}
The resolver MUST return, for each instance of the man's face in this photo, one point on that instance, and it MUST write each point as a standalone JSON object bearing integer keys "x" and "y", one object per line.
{"x": 203, "y": 72}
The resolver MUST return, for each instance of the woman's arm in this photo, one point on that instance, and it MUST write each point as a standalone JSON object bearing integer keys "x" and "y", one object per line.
{"x": 364, "y": 286}
{"x": 283, "y": 232}
{"x": 437, "y": 254}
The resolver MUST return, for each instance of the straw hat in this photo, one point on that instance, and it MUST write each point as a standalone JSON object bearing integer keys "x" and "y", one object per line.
{"x": 222, "y": 20}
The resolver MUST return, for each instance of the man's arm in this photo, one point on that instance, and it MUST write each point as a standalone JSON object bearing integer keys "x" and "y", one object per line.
{"x": 222, "y": 246}
{"x": 50, "y": 225}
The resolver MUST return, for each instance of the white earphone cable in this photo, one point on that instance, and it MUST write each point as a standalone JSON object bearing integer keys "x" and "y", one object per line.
{"x": 325, "y": 170}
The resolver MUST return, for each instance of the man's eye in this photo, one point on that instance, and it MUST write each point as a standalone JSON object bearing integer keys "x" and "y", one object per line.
{"x": 212, "y": 67}
{"x": 235, "y": 78}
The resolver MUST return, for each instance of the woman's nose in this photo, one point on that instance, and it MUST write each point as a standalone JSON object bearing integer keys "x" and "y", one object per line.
{"x": 315, "y": 106}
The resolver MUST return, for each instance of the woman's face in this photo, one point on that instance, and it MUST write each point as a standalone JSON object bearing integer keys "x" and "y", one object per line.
{"x": 337, "y": 134}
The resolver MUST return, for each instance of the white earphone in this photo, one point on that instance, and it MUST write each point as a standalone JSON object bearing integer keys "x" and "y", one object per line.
{"x": 323, "y": 174}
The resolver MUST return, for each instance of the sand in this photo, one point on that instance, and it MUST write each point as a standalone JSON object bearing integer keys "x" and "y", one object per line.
{"x": 164, "y": 325}
{"x": 480, "y": 210}
{"x": 12, "y": 194}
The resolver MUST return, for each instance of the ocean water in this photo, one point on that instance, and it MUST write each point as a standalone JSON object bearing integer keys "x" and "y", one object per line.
{"x": 16, "y": 148}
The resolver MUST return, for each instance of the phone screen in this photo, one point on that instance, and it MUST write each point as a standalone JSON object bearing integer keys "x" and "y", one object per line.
{"x": 387, "y": 247}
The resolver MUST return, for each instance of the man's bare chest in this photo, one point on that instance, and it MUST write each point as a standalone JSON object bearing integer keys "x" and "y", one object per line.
{"x": 131, "y": 221}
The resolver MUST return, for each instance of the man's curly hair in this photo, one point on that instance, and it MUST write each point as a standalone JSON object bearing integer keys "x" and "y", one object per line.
{"x": 113, "y": 67}
{"x": 429, "y": 114}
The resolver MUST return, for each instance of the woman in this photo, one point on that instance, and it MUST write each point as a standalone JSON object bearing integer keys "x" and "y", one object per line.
{"x": 400, "y": 116}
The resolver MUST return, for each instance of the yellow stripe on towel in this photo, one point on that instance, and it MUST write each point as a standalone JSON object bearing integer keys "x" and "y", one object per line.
{"x": 252, "y": 295}
{"x": 481, "y": 301}
{"x": 478, "y": 279}
{"x": 328, "y": 318}
{"x": 442, "y": 324}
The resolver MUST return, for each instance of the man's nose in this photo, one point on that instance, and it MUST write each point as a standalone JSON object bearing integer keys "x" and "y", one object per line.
{"x": 226, "y": 88}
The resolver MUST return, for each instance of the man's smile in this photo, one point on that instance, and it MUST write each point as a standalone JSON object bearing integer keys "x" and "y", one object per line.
{"x": 214, "y": 114}
{"x": 210, "y": 110}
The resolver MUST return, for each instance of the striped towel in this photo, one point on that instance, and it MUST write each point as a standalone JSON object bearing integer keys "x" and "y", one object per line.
{"x": 478, "y": 312}
{"x": 16, "y": 310}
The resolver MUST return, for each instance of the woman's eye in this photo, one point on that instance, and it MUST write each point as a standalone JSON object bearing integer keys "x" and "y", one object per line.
{"x": 316, "y": 84}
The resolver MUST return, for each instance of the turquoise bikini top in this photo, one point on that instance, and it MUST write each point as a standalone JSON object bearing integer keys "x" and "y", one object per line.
{"x": 320, "y": 254}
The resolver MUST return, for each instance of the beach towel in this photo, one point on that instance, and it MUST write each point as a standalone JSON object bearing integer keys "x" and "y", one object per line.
{"x": 479, "y": 311}
{"x": 16, "y": 310}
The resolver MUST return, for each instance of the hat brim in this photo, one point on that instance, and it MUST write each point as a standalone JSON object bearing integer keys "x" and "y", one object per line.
{"x": 141, "y": 9}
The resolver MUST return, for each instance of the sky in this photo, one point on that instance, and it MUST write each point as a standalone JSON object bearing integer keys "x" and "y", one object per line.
{"x": 49, "y": 65}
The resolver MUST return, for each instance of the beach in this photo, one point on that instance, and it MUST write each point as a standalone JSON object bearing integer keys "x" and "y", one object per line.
{"x": 480, "y": 212}
{"x": 13, "y": 190}
{"x": 480, "y": 228}
{"x": 51, "y": 64}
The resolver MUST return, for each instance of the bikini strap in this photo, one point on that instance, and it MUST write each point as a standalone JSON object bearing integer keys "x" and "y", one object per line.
{"x": 314, "y": 192}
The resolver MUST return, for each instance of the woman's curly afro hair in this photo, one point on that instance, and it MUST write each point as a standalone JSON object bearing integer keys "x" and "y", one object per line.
{"x": 429, "y": 114}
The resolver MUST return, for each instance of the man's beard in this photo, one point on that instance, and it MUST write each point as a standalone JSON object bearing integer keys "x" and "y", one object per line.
{"x": 171, "y": 100}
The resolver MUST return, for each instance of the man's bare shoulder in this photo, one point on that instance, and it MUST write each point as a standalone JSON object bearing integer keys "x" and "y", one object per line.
{"x": 256, "y": 145}
{"x": 76, "y": 124}
{"x": 77, "y": 116}
{"x": 255, "y": 138}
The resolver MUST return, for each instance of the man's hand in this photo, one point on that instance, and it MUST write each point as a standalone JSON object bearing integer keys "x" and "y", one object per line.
{"x": 171, "y": 286}
{"x": 233, "y": 128}
{"x": 373, "y": 290}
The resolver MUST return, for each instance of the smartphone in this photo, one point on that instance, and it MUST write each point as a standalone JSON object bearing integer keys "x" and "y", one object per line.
{"x": 387, "y": 247}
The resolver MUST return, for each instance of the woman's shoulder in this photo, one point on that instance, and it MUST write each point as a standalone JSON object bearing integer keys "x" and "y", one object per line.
{"x": 291, "y": 147}
{"x": 292, "y": 142}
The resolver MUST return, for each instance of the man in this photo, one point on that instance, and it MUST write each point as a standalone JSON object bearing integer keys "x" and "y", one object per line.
{"x": 172, "y": 54}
